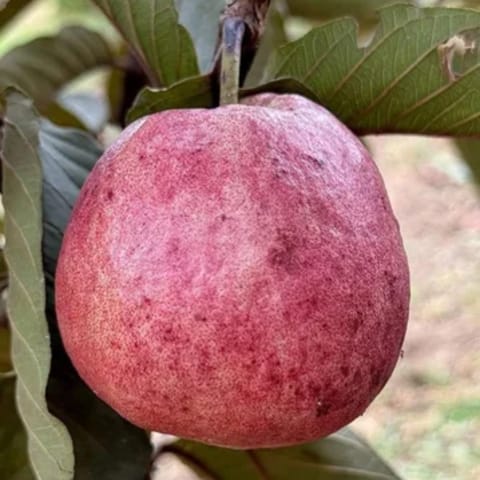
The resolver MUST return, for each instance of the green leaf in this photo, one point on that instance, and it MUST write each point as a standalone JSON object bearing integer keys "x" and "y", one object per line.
{"x": 163, "y": 47}
{"x": 342, "y": 456}
{"x": 198, "y": 92}
{"x": 14, "y": 463}
{"x": 10, "y": 8}
{"x": 400, "y": 82}
{"x": 41, "y": 67}
{"x": 49, "y": 445}
{"x": 106, "y": 446}
{"x": 202, "y": 20}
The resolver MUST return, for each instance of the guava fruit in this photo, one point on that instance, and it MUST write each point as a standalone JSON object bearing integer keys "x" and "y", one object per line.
{"x": 235, "y": 275}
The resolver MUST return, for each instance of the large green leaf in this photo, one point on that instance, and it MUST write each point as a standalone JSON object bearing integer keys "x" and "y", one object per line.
{"x": 10, "y": 8}
{"x": 414, "y": 77}
{"x": 49, "y": 445}
{"x": 342, "y": 456}
{"x": 106, "y": 446}
{"x": 14, "y": 463}
{"x": 41, "y": 67}
{"x": 201, "y": 18}
{"x": 163, "y": 47}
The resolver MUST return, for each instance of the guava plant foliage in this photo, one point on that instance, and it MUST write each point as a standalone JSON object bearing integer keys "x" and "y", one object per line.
{"x": 420, "y": 73}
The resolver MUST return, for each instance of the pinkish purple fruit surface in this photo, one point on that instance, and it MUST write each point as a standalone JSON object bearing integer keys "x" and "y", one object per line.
{"x": 235, "y": 275}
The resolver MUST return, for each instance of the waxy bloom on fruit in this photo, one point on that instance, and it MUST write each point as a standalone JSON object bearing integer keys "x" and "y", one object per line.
{"x": 235, "y": 275}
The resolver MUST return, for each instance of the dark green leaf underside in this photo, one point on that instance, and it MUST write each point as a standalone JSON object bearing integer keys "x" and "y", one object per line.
{"x": 407, "y": 80}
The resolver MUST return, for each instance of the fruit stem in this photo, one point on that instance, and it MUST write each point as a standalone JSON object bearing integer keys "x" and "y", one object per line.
{"x": 233, "y": 34}
{"x": 242, "y": 26}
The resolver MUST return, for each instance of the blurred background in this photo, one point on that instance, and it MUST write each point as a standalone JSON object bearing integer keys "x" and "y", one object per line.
{"x": 427, "y": 420}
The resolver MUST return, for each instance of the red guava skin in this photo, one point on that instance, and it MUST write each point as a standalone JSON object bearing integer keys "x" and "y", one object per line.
{"x": 235, "y": 275}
